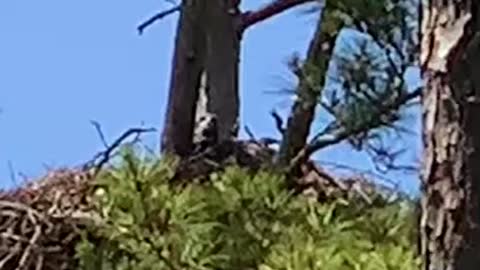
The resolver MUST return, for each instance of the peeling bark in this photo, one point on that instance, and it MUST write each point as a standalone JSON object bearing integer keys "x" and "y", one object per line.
{"x": 450, "y": 52}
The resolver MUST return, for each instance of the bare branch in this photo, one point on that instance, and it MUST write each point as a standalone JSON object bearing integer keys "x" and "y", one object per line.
{"x": 141, "y": 28}
{"x": 100, "y": 133}
{"x": 276, "y": 7}
{"x": 278, "y": 121}
{"x": 250, "y": 133}
{"x": 12, "y": 173}
{"x": 104, "y": 156}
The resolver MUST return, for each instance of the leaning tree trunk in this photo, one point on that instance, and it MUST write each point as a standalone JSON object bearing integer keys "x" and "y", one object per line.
{"x": 449, "y": 228}
{"x": 206, "y": 63}
{"x": 303, "y": 110}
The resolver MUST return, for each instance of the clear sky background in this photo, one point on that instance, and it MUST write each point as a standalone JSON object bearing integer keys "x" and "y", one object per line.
{"x": 65, "y": 63}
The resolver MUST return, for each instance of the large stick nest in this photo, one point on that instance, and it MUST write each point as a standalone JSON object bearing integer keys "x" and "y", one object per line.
{"x": 41, "y": 223}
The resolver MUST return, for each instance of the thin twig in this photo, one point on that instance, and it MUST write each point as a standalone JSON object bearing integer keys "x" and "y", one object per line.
{"x": 105, "y": 155}
{"x": 100, "y": 132}
{"x": 11, "y": 171}
{"x": 10, "y": 255}
{"x": 31, "y": 244}
{"x": 141, "y": 28}
{"x": 278, "y": 121}
{"x": 250, "y": 133}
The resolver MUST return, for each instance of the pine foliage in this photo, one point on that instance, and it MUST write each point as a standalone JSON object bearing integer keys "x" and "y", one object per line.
{"x": 237, "y": 221}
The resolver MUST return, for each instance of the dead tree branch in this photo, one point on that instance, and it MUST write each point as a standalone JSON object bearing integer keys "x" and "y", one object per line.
{"x": 278, "y": 121}
{"x": 141, "y": 28}
{"x": 100, "y": 133}
{"x": 250, "y": 133}
{"x": 104, "y": 157}
{"x": 276, "y": 7}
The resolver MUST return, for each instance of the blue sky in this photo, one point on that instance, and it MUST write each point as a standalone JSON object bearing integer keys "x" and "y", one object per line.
{"x": 65, "y": 63}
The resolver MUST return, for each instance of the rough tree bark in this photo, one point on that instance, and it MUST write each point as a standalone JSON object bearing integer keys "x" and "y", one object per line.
{"x": 450, "y": 54}
{"x": 303, "y": 110}
{"x": 222, "y": 64}
{"x": 205, "y": 65}
{"x": 205, "y": 62}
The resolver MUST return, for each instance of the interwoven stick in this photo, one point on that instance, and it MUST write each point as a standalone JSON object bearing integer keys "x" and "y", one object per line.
{"x": 39, "y": 222}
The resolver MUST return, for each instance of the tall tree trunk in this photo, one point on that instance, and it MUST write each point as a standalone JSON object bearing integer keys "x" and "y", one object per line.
{"x": 303, "y": 110}
{"x": 222, "y": 64}
{"x": 187, "y": 67}
{"x": 450, "y": 54}
{"x": 206, "y": 66}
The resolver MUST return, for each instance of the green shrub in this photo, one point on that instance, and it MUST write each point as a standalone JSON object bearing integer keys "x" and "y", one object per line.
{"x": 237, "y": 221}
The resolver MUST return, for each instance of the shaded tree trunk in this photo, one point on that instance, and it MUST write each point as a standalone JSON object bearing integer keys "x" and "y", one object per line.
{"x": 301, "y": 117}
{"x": 205, "y": 62}
{"x": 187, "y": 67}
{"x": 449, "y": 226}
{"x": 222, "y": 64}
{"x": 206, "y": 66}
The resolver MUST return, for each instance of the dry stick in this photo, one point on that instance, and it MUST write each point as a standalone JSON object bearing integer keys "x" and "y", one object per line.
{"x": 25, "y": 208}
{"x": 333, "y": 180}
{"x": 40, "y": 260}
{"x": 250, "y": 133}
{"x": 10, "y": 255}
{"x": 100, "y": 133}
{"x": 34, "y": 221}
{"x": 11, "y": 171}
{"x": 31, "y": 244}
{"x": 250, "y": 18}
{"x": 278, "y": 121}
{"x": 31, "y": 213}
{"x": 106, "y": 154}
{"x": 141, "y": 28}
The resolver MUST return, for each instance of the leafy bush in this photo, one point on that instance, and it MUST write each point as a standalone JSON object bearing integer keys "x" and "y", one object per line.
{"x": 237, "y": 221}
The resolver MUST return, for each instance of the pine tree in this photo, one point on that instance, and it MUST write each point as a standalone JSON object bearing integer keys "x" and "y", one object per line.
{"x": 450, "y": 53}
{"x": 361, "y": 87}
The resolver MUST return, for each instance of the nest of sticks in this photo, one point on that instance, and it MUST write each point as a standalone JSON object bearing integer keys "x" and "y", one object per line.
{"x": 42, "y": 222}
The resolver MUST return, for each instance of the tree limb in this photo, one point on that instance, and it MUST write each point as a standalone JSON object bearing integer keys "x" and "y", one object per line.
{"x": 104, "y": 156}
{"x": 250, "y": 133}
{"x": 278, "y": 121}
{"x": 141, "y": 28}
{"x": 98, "y": 128}
{"x": 276, "y": 7}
